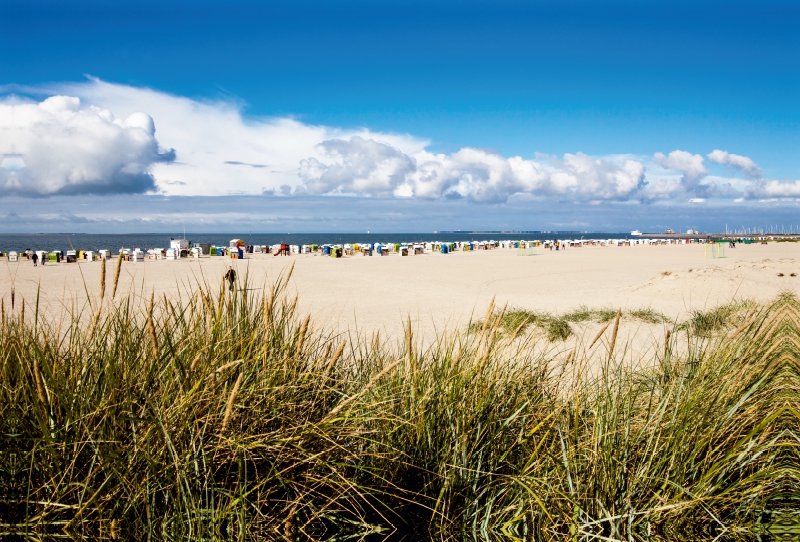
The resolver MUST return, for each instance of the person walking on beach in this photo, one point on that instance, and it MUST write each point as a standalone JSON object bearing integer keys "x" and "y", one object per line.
{"x": 35, "y": 258}
{"x": 230, "y": 276}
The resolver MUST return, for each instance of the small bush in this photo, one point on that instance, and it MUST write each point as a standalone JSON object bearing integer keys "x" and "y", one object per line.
{"x": 581, "y": 314}
{"x": 558, "y": 330}
{"x": 706, "y": 323}
{"x": 648, "y": 316}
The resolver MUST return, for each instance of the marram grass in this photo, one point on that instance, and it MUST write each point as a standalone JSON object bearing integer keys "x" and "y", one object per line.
{"x": 229, "y": 416}
{"x": 557, "y": 327}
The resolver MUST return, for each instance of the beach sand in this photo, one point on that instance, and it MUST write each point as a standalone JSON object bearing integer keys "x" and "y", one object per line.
{"x": 436, "y": 291}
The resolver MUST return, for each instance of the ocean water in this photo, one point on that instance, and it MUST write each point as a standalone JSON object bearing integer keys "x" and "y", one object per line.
{"x": 113, "y": 242}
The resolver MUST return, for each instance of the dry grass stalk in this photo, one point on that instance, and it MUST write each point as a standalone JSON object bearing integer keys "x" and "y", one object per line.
{"x": 288, "y": 523}
{"x": 151, "y": 327}
{"x": 221, "y": 299}
{"x": 519, "y": 328}
{"x": 231, "y": 399}
{"x": 37, "y": 376}
{"x": 117, "y": 270}
{"x": 335, "y": 358}
{"x": 600, "y": 334}
{"x": 410, "y": 349}
{"x": 223, "y": 367}
{"x": 302, "y": 336}
{"x": 195, "y": 361}
{"x": 498, "y": 322}
{"x": 614, "y": 335}
{"x": 666, "y": 343}
{"x": 490, "y": 339}
{"x": 102, "y": 279}
{"x": 487, "y": 318}
{"x": 268, "y": 304}
{"x": 289, "y": 274}
{"x": 364, "y": 390}
{"x": 172, "y": 310}
{"x": 209, "y": 306}
{"x": 96, "y": 320}
{"x": 748, "y": 321}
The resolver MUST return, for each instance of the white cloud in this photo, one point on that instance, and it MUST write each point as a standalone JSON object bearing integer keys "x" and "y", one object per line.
{"x": 691, "y": 165}
{"x": 59, "y": 146}
{"x": 218, "y": 151}
{"x": 100, "y": 137}
{"x": 357, "y": 166}
{"x": 601, "y": 179}
{"x": 214, "y": 142}
{"x": 745, "y": 165}
{"x": 776, "y": 189}
{"x": 375, "y": 168}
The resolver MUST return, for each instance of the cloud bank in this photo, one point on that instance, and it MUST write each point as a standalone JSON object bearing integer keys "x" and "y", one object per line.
{"x": 359, "y": 166}
{"x": 218, "y": 150}
{"x": 59, "y": 146}
{"x": 100, "y": 138}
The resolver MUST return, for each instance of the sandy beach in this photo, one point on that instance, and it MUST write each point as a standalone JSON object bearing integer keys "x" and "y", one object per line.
{"x": 437, "y": 291}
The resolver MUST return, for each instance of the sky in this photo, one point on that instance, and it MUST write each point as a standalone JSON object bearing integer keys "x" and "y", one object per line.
{"x": 398, "y": 115}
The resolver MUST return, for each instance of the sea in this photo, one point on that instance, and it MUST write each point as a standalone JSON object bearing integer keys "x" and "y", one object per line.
{"x": 144, "y": 241}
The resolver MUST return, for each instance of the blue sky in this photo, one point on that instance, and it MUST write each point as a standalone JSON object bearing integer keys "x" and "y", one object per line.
{"x": 617, "y": 82}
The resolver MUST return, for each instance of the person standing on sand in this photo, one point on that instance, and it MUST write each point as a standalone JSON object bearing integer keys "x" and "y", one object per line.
{"x": 35, "y": 258}
{"x": 230, "y": 276}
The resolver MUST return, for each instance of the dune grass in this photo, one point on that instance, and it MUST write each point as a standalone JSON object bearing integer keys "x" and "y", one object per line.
{"x": 556, "y": 327}
{"x": 231, "y": 416}
{"x": 706, "y": 323}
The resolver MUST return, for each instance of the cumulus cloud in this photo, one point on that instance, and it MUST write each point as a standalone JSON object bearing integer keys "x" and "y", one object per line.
{"x": 99, "y": 137}
{"x": 775, "y": 189}
{"x": 358, "y": 166}
{"x": 743, "y": 164}
{"x": 220, "y": 151}
{"x": 214, "y": 141}
{"x": 375, "y": 168}
{"x": 691, "y": 165}
{"x": 58, "y": 146}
